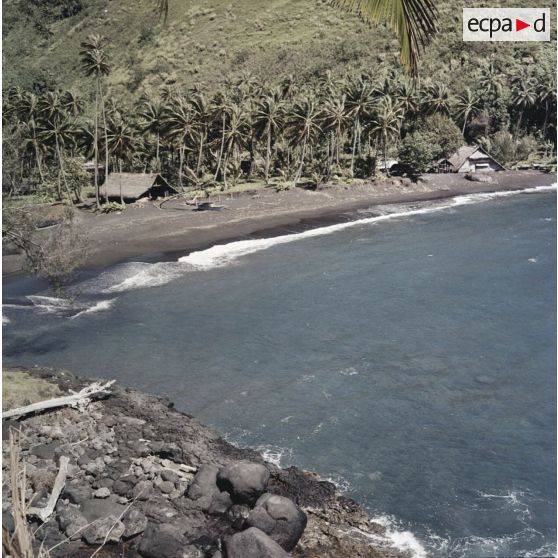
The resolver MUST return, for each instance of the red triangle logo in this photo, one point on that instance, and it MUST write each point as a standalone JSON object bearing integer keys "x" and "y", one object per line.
{"x": 519, "y": 25}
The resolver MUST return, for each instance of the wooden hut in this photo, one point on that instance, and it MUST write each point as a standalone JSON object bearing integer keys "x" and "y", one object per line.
{"x": 133, "y": 186}
{"x": 468, "y": 159}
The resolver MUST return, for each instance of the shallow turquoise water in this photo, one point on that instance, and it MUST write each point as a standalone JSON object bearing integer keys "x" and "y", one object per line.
{"x": 411, "y": 360}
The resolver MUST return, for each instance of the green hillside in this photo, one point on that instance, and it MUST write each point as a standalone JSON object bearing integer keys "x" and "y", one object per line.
{"x": 196, "y": 98}
{"x": 205, "y": 42}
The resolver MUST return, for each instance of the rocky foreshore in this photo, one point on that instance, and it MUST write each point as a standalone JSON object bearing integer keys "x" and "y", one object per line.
{"x": 146, "y": 480}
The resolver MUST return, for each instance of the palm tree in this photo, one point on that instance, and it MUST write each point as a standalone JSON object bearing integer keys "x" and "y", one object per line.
{"x": 360, "y": 103}
{"x": 546, "y": 94}
{"x": 437, "y": 99}
{"x": 181, "y": 125}
{"x": 287, "y": 87}
{"x": 71, "y": 103}
{"x": 202, "y": 115}
{"x": 122, "y": 142}
{"x": 407, "y": 96}
{"x": 95, "y": 62}
{"x": 491, "y": 81}
{"x": 335, "y": 118}
{"x": 221, "y": 112}
{"x": 152, "y": 114}
{"x": 27, "y": 108}
{"x": 59, "y": 130}
{"x": 236, "y": 136}
{"x": 303, "y": 127}
{"x": 386, "y": 124}
{"x": 523, "y": 97}
{"x": 268, "y": 121}
{"x": 467, "y": 103}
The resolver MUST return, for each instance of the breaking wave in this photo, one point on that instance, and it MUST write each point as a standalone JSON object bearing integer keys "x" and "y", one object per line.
{"x": 223, "y": 254}
{"x": 140, "y": 275}
{"x": 64, "y": 307}
{"x": 394, "y": 537}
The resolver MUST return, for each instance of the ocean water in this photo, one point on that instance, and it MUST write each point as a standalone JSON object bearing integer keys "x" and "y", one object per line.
{"x": 408, "y": 356}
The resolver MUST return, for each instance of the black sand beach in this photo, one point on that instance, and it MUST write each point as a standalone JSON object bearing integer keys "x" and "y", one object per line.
{"x": 176, "y": 227}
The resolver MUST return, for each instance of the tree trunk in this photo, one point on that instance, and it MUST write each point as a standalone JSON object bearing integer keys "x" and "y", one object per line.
{"x": 518, "y": 125}
{"x": 384, "y": 139}
{"x": 222, "y": 147}
{"x": 106, "y": 137}
{"x": 225, "y": 164}
{"x": 299, "y": 172}
{"x": 465, "y": 117}
{"x": 180, "y": 165}
{"x": 268, "y": 154}
{"x": 96, "y": 146}
{"x": 120, "y": 171}
{"x": 545, "y": 123}
{"x": 200, "y": 154}
{"x": 61, "y": 172}
{"x": 157, "y": 155}
{"x": 354, "y": 145}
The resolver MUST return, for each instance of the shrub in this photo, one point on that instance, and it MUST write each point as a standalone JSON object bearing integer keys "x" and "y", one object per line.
{"x": 109, "y": 207}
{"x": 417, "y": 152}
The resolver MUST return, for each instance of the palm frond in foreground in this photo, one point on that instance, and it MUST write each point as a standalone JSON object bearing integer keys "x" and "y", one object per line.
{"x": 414, "y": 22}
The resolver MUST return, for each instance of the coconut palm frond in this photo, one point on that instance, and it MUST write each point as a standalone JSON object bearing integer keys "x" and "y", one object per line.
{"x": 413, "y": 21}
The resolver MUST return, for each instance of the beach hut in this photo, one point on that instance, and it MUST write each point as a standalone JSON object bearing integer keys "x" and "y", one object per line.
{"x": 134, "y": 186}
{"x": 468, "y": 159}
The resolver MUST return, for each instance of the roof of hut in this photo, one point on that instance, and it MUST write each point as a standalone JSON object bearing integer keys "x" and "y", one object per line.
{"x": 461, "y": 155}
{"x": 134, "y": 185}
{"x": 457, "y": 160}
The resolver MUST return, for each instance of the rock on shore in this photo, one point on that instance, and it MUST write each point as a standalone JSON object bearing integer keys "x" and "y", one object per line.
{"x": 146, "y": 480}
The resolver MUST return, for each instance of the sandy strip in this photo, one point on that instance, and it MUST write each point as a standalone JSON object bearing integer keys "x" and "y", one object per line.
{"x": 177, "y": 229}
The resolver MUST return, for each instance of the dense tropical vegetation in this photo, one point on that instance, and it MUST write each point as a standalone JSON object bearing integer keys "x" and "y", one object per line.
{"x": 275, "y": 92}
{"x": 283, "y": 133}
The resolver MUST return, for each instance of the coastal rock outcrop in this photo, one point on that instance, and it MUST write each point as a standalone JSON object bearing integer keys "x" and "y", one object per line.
{"x": 147, "y": 481}
{"x": 280, "y": 518}
{"x": 244, "y": 481}
{"x": 253, "y": 543}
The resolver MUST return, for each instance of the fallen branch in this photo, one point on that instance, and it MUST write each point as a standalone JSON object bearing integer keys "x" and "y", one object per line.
{"x": 44, "y": 513}
{"x": 79, "y": 400}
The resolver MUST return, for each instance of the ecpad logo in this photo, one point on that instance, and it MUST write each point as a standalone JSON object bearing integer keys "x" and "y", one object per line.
{"x": 506, "y": 24}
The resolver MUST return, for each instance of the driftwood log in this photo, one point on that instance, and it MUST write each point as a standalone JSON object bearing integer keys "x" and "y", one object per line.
{"x": 79, "y": 400}
{"x": 44, "y": 513}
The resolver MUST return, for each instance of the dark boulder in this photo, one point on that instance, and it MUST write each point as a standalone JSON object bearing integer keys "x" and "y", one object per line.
{"x": 106, "y": 529}
{"x": 244, "y": 481}
{"x": 220, "y": 503}
{"x": 203, "y": 487}
{"x": 237, "y": 516}
{"x": 135, "y": 523}
{"x": 161, "y": 541}
{"x": 279, "y": 518}
{"x": 253, "y": 543}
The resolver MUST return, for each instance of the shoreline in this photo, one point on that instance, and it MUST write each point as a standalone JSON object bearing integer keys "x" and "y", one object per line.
{"x": 136, "y": 440}
{"x": 149, "y": 232}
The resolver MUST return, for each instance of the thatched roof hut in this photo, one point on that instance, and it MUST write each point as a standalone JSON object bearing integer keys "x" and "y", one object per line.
{"x": 133, "y": 186}
{"x": 469, "y": 159}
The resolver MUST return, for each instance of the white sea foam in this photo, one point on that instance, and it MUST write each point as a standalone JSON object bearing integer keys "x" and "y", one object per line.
{"x": 50, "y": 304}
{"x": 66, "y": 307}
{"x": 5, "y": 320}
{"x": 98, "y": 307}
{"x": 512, "y": 545}
{"x": 224, "y": 254}
{"x": 281, "y": 457}
{"x": 398, "y": 539}
{"x": 147, "y": 275}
